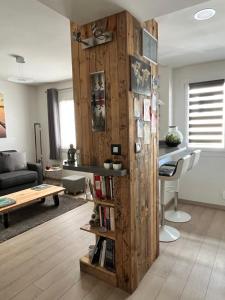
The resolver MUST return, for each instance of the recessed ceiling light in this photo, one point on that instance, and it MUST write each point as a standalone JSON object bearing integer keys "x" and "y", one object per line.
{"x": 205, "y": 14}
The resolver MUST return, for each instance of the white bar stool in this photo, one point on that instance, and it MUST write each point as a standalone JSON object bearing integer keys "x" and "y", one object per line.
{"x": 170, "y": 173}
{"x": 195, "y": 156}
{"x": 178, "y": 216}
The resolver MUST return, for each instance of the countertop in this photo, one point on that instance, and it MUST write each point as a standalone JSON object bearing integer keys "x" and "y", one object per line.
{"x": 166, "y": 152}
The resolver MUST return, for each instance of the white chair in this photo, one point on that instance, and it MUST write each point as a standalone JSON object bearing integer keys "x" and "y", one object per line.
{"x": 170, "y": 173}
{"x": 195, "y": 156}
{"x": 178, "y": 216}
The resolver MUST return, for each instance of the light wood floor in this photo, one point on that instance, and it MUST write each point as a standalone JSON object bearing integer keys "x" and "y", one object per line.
{"x": 43, "y": 263}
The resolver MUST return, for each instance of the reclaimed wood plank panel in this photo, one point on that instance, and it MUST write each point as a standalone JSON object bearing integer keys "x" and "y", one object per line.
{"x": 136, "y": 196}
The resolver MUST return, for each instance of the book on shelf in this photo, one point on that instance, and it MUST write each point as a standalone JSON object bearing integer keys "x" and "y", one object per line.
{"x": 104, "y": 254}
{"x": 109, "y": 262}
{"x": 107, "y": 217}
{"x": 104, "y": 187}
{"x": 97, "y": 250}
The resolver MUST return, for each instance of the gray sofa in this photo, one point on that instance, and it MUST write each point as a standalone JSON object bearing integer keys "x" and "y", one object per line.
{"x": 17, "y": 180}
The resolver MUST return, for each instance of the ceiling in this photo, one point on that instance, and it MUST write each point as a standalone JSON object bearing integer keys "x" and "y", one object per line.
{"x": 41, "y": 35}
{"x": 84, "y": 11}
{"x": 185, "y": 41}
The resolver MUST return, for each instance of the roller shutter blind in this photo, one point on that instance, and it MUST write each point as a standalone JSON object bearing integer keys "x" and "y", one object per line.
{"x": 206, "y": 114}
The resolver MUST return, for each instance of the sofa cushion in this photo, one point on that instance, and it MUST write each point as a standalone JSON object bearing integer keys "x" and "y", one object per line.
{"x": 5, "y": 163}
{"x": 12, "y": 161}
{"x": 10, "y": 179}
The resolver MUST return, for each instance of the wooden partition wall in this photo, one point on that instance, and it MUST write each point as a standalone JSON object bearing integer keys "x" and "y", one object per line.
{"x": 136, "y": 207}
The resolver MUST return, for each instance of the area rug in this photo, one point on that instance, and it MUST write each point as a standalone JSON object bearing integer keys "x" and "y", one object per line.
{"x": 33, "y": 215}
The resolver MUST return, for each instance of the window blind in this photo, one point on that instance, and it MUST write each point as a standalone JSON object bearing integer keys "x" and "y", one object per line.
{"x": 206, "y": 114}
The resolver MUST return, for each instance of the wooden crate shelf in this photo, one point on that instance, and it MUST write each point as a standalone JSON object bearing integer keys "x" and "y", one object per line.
{"x": 107, "y": 234}
{"x": 97, "y": 271}
{"x": 104, "y": 202}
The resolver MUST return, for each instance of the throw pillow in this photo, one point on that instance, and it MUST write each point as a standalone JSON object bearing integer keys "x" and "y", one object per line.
{"x": 13, "y": 161}
{"x": 6, "y": 164}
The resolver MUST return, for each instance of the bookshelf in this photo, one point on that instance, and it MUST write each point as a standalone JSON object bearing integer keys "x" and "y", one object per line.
{"x": 107, "y": 234}
{"x": 105, "y": 202}
{"x": 101, "y": 273}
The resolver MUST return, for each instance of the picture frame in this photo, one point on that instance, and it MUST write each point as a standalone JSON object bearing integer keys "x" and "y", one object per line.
{"x": 98, "y": 101}
{"x": 149, "y": 47}
{"x": 140, "y": 73}
{"x": 2, "y": 117}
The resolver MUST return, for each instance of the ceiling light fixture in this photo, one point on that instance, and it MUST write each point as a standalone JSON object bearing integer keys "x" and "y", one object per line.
{"x": 205, "y": 14}
{"x": 20, "y": 78}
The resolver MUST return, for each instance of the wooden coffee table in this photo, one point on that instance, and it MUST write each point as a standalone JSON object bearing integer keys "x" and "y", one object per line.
{"x": 28, "y": 196}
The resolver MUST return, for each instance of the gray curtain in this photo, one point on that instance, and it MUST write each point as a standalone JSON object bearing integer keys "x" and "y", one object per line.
{"x": 53, "y": 124}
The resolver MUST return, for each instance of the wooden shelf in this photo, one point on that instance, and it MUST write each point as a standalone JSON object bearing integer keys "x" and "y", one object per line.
{"x": 104, "y": 202}
{"x": 97, "y": 271}
{"x": 94, "y": 169}
{"x": 107, "y": 234}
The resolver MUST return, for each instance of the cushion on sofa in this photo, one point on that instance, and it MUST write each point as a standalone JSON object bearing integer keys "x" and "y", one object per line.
{"x": 10, "y": 179}
{"x": 12, "y": 161}
{"x": 5, "y": 163}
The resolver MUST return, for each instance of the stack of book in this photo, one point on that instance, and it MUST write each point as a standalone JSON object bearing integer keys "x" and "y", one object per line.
{"x": 107, "y": 217}
{"x": 104, "y": 254}
{"x": 104, "y": 187}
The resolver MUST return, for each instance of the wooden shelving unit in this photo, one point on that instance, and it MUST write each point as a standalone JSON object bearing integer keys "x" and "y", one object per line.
{"x": 104, "y": 202}
{"x": 107, "y": 234}
{"x": 85, "y": 264}
{"x": 97, "y": 271}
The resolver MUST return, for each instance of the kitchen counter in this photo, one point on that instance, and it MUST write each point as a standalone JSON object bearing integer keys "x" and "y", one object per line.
{"x": 168, "y": 153}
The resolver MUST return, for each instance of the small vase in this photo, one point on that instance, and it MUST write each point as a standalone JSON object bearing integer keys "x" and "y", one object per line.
{"x": 174, "y": 137}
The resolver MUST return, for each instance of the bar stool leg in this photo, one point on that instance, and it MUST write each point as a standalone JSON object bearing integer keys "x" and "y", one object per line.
{"x": 177, "y": 216}
{"x": 167, "y": 233}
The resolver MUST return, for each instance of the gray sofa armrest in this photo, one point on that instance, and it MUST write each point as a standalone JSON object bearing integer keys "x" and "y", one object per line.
{"x": 38, "y": 168}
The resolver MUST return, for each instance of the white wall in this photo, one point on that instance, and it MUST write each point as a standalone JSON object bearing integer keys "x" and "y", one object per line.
{"x": 206, "y": 182}
{"x": 166, "y": 113}
{"x": 165, "y": 74}
{"x": 20, "y": 108}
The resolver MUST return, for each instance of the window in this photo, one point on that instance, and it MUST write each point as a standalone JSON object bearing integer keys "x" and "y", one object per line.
{"x": 206, "y": 114}
{"x": 67, "y": 119}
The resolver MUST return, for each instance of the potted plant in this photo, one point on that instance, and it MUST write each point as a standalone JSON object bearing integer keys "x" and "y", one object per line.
{"x": 174, "y": 137}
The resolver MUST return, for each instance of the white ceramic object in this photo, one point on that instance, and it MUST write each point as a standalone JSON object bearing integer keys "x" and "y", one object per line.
{"x": 117, "y": 166}
{"x": 108, "y": 166}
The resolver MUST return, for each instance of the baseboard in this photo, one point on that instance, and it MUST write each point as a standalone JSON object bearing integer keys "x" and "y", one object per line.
{"x": 209, "y": 205}
{"x": 184, "y": 201}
